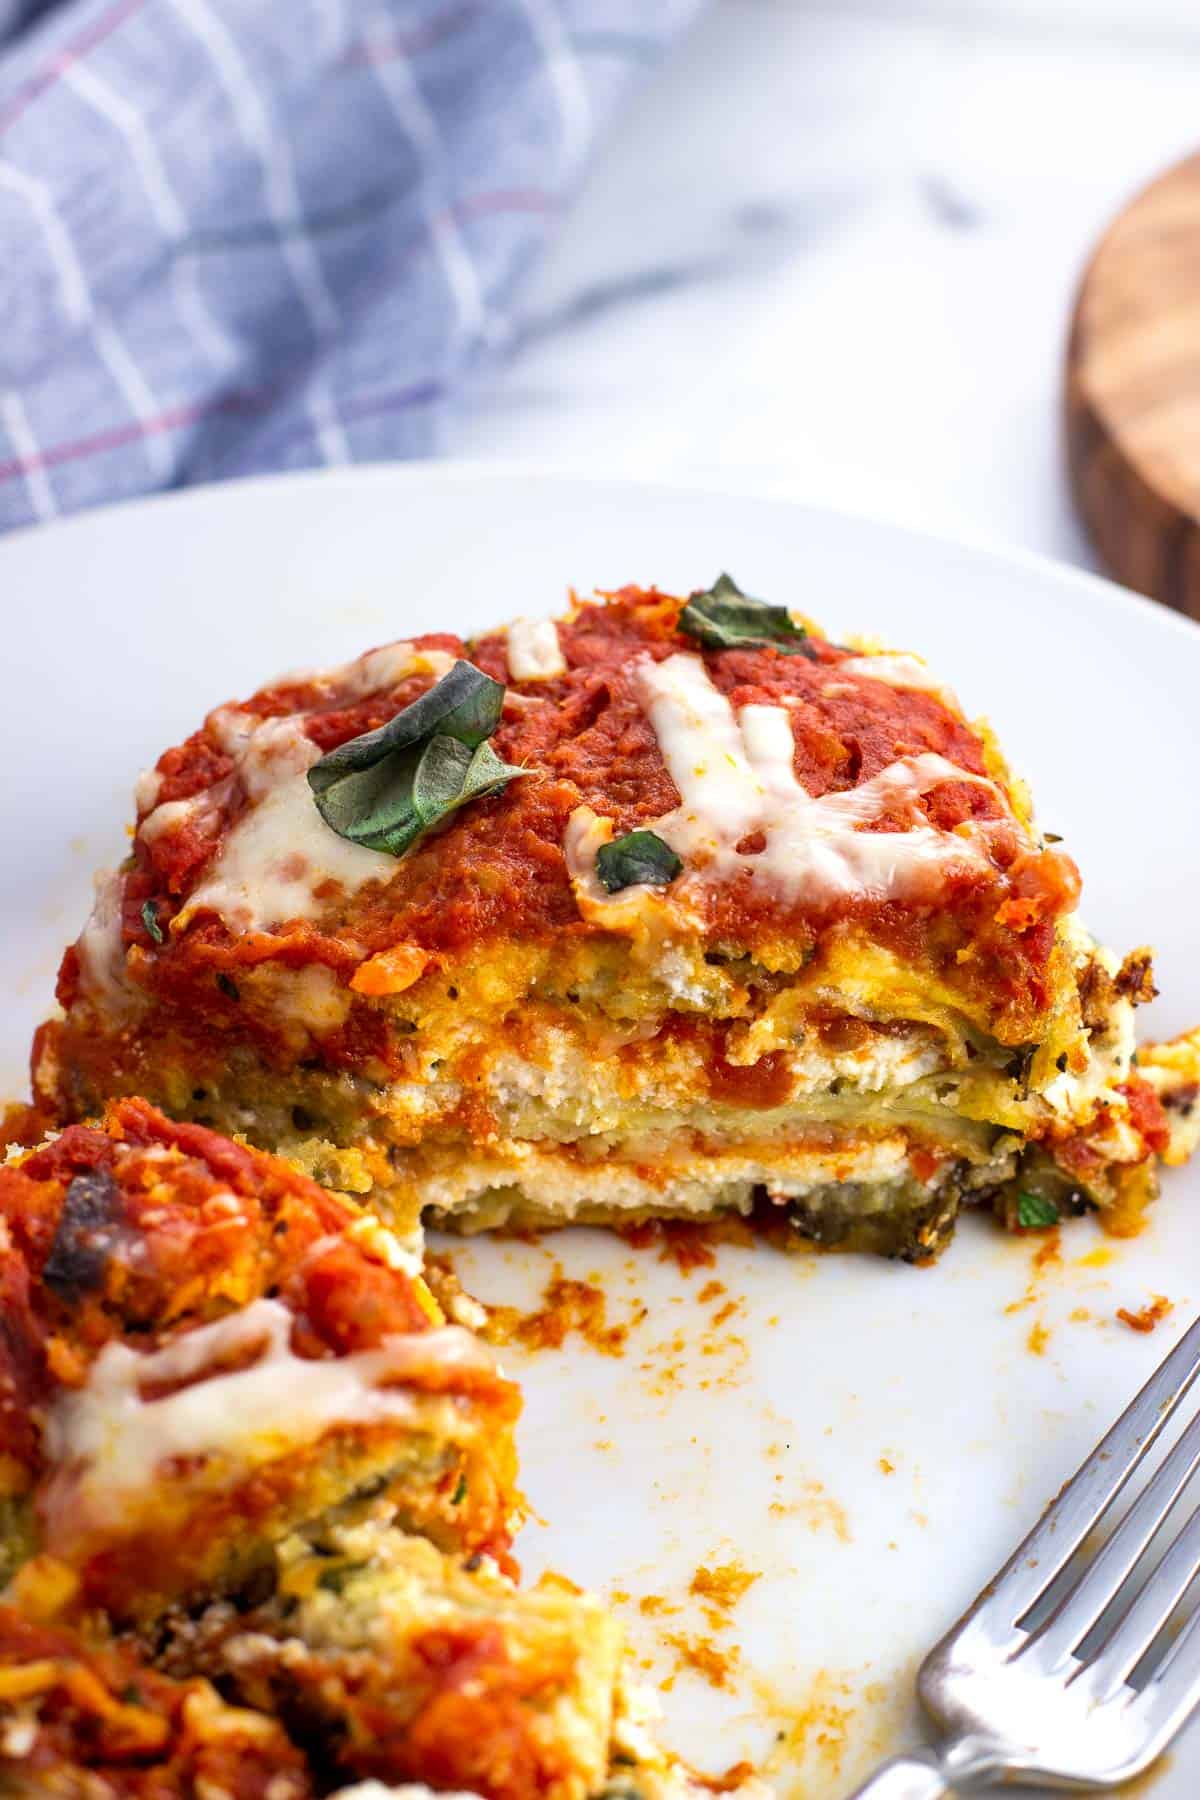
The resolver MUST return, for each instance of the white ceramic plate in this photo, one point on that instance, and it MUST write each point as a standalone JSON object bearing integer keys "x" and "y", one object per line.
{"x": 870, "y": 1439}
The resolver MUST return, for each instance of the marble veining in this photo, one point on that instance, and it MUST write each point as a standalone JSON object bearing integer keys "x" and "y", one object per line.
{"x": 831, "y": 251}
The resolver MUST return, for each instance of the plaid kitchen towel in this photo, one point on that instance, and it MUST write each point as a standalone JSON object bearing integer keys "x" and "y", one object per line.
{"x": 239, "y": 235}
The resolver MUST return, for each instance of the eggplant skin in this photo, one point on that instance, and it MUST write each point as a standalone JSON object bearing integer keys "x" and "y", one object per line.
{"x": 914, "y": 1227}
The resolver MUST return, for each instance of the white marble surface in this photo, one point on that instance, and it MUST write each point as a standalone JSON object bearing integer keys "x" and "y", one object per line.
{"x": 831, "y": 252}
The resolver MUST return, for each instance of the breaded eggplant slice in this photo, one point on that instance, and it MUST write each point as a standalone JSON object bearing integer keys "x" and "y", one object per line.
{"x": 396, "y": 1664}
{"x": 389, "y": 1658}
{"x": 733, "y": 915}
{"x": 201, "y": 1349}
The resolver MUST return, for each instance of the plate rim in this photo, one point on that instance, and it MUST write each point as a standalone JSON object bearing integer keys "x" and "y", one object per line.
{"x": 1107, "y": 603}
{"x": 454, "y": 471}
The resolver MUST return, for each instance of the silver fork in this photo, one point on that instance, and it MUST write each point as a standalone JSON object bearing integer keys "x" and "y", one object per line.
{"x": 1032, "y": 1687}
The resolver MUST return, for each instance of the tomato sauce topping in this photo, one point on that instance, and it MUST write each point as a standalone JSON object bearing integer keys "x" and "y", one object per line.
{"x": 496, "y": 870}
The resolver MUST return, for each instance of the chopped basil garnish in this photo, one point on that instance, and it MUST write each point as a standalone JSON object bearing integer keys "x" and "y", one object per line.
{"x": 1034, "y": 1213}
{"x": 150, "y": 921}
{"x": 723, "y": 618}
{"x": 387, "y": 788}
{"x": 638, "y": 856}
{"x": 335, "y": 1579}
{"x": 460, "y": 1492}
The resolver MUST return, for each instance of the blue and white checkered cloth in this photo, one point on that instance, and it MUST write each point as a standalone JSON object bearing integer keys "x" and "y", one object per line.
{"x": 239, "y": 235}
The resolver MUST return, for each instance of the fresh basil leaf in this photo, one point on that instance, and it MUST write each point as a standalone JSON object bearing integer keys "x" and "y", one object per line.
{"x": 638, "y": 856}
{"x": 723, "y": 618}
{"x": 384, "y": 790}
{"x": 389, "y": 807}
{"x": 465, "y": 704}
{"x": 460, "y": 1492}
{"x": 1034, "y": 1213}
{"x": 440, "y": 774}
{"x": 150, "y": 921}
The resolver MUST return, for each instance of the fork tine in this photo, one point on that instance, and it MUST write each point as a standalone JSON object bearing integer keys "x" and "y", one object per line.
{"x": 1168, "y": 1701}
{"x": 1134, "y": 1633}
{"x": 1100, "y": 1583}
{"x": 1063, "y": 1527}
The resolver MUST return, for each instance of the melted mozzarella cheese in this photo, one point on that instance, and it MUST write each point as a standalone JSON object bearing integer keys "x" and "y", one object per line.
{"x": 146, "y": 790}
{"x": 280, "y": 858}
{"x": 168, "y": 817}
{"x": 101, "y": 948}
{"x": 199, "y": 808}
{"x": 110, "y": 1441}
{"x": 771, "y": 750}
{"x": 534, "y": 652}
{"x": 736, "y": 777}
{"x": 280, "y": 862}
{"x": 704, "y": 750}
{"x": 264, "y": 751}
{"x": 372, "y": 672}
{"x": 899, "y": 669}
{"x": 384, "y": 668}
{"x": 277, "y": 862}
{"x": 276, "y": 750}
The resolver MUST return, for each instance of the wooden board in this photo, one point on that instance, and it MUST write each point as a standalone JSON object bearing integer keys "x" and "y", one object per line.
{"x": 1133, "y": 392}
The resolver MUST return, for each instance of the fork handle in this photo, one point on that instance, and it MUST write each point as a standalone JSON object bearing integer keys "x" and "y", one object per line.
{"x": 917, "y": 1776}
